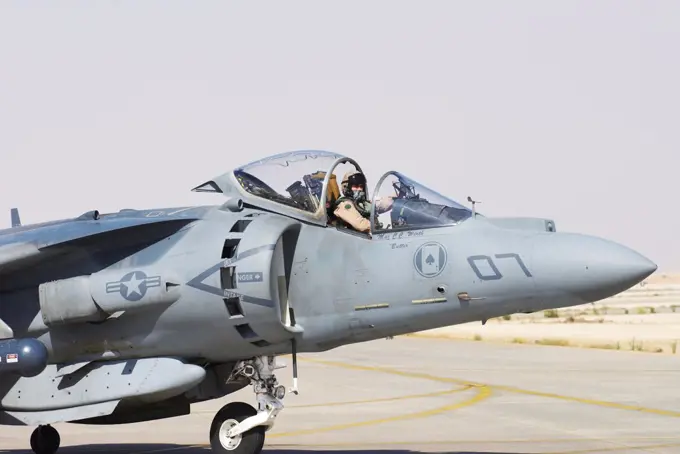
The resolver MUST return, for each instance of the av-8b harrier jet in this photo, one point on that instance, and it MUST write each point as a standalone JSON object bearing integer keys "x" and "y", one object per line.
{"x": 133, "y": 316}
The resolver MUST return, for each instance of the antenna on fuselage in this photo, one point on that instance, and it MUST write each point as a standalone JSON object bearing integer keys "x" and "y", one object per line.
{"x": 15, "y": 218}
{"x": 473, "y": 202}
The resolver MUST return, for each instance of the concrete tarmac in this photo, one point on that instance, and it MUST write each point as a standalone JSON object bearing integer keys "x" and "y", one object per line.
{"x": 430, "y": 395}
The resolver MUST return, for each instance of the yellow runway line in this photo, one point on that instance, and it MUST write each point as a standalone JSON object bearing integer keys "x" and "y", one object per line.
{"x": 481, "y": 394}
{"x": 601, "y": 403}
{"x": 385, "y": 399}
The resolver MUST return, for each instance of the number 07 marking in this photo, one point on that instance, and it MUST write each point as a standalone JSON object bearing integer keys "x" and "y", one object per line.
{"x": 496, "y": 273}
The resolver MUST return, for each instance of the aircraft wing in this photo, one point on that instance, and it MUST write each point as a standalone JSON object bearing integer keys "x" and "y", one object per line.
{"x": 15, "y": 255}
{"x": 34, "y": 253}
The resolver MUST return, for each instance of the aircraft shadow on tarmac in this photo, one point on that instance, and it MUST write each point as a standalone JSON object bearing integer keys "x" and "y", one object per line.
{"x": 140, "y": 448}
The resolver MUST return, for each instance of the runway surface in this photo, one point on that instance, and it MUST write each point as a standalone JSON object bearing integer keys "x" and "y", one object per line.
{"x": 429, "y": 395}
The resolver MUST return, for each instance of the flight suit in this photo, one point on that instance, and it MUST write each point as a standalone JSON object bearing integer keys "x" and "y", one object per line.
{"x": 357, "y": 217}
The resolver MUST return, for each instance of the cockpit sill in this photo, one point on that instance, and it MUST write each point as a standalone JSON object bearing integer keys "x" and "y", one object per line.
{"x": 514, "y": 223}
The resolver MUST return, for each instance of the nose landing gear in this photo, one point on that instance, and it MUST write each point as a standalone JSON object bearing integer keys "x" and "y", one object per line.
{"x": 229, "y": 417}
{"x": 238, "y": 428}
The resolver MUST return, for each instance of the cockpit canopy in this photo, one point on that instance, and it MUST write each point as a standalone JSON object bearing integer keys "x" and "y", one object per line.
{"x": 400, "y": 203}
{"x": 292, "y": 179}
{"x": 306, "y": 184}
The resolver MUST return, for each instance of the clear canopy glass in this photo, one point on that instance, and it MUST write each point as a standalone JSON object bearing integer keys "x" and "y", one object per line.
{"x": 294, "y": 178}
{"x": 402, "y": 203}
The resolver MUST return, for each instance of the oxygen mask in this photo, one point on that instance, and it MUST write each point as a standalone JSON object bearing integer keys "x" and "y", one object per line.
{"x": 359, "y": 195}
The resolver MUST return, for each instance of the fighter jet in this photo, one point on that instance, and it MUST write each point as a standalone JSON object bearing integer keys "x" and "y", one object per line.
{"x": 135, "y": 315}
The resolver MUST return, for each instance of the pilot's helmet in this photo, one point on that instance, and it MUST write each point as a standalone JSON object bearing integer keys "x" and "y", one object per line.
{"x": 354, "y": 178}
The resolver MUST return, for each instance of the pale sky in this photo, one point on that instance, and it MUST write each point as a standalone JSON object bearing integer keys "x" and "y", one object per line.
{"x": 565, "y": 110}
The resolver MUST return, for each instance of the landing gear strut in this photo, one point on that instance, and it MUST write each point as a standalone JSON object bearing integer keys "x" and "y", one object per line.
{"x": 238, "y": 428}
{"x": 45, "y": 440}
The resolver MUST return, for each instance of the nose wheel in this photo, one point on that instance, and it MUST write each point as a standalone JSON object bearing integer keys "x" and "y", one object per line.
{"x": 45, "y": 440}
{"x": 249, "y": 442}
{"x": 239, "y": 428}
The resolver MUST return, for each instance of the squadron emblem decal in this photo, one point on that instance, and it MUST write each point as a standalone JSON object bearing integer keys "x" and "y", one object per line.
{"x": 134, "y": 285}
{"x": 430, "y": 259}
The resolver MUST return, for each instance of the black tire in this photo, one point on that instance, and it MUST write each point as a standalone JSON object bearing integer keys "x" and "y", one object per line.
{"x": 45, "y": 440}
{"x": 251, "y": 441}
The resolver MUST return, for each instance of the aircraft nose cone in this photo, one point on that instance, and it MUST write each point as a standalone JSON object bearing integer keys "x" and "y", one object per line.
{"x": 588, "y": 267}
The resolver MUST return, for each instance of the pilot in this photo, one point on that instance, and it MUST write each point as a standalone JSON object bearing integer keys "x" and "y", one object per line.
{"x": 353, "y": 208}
